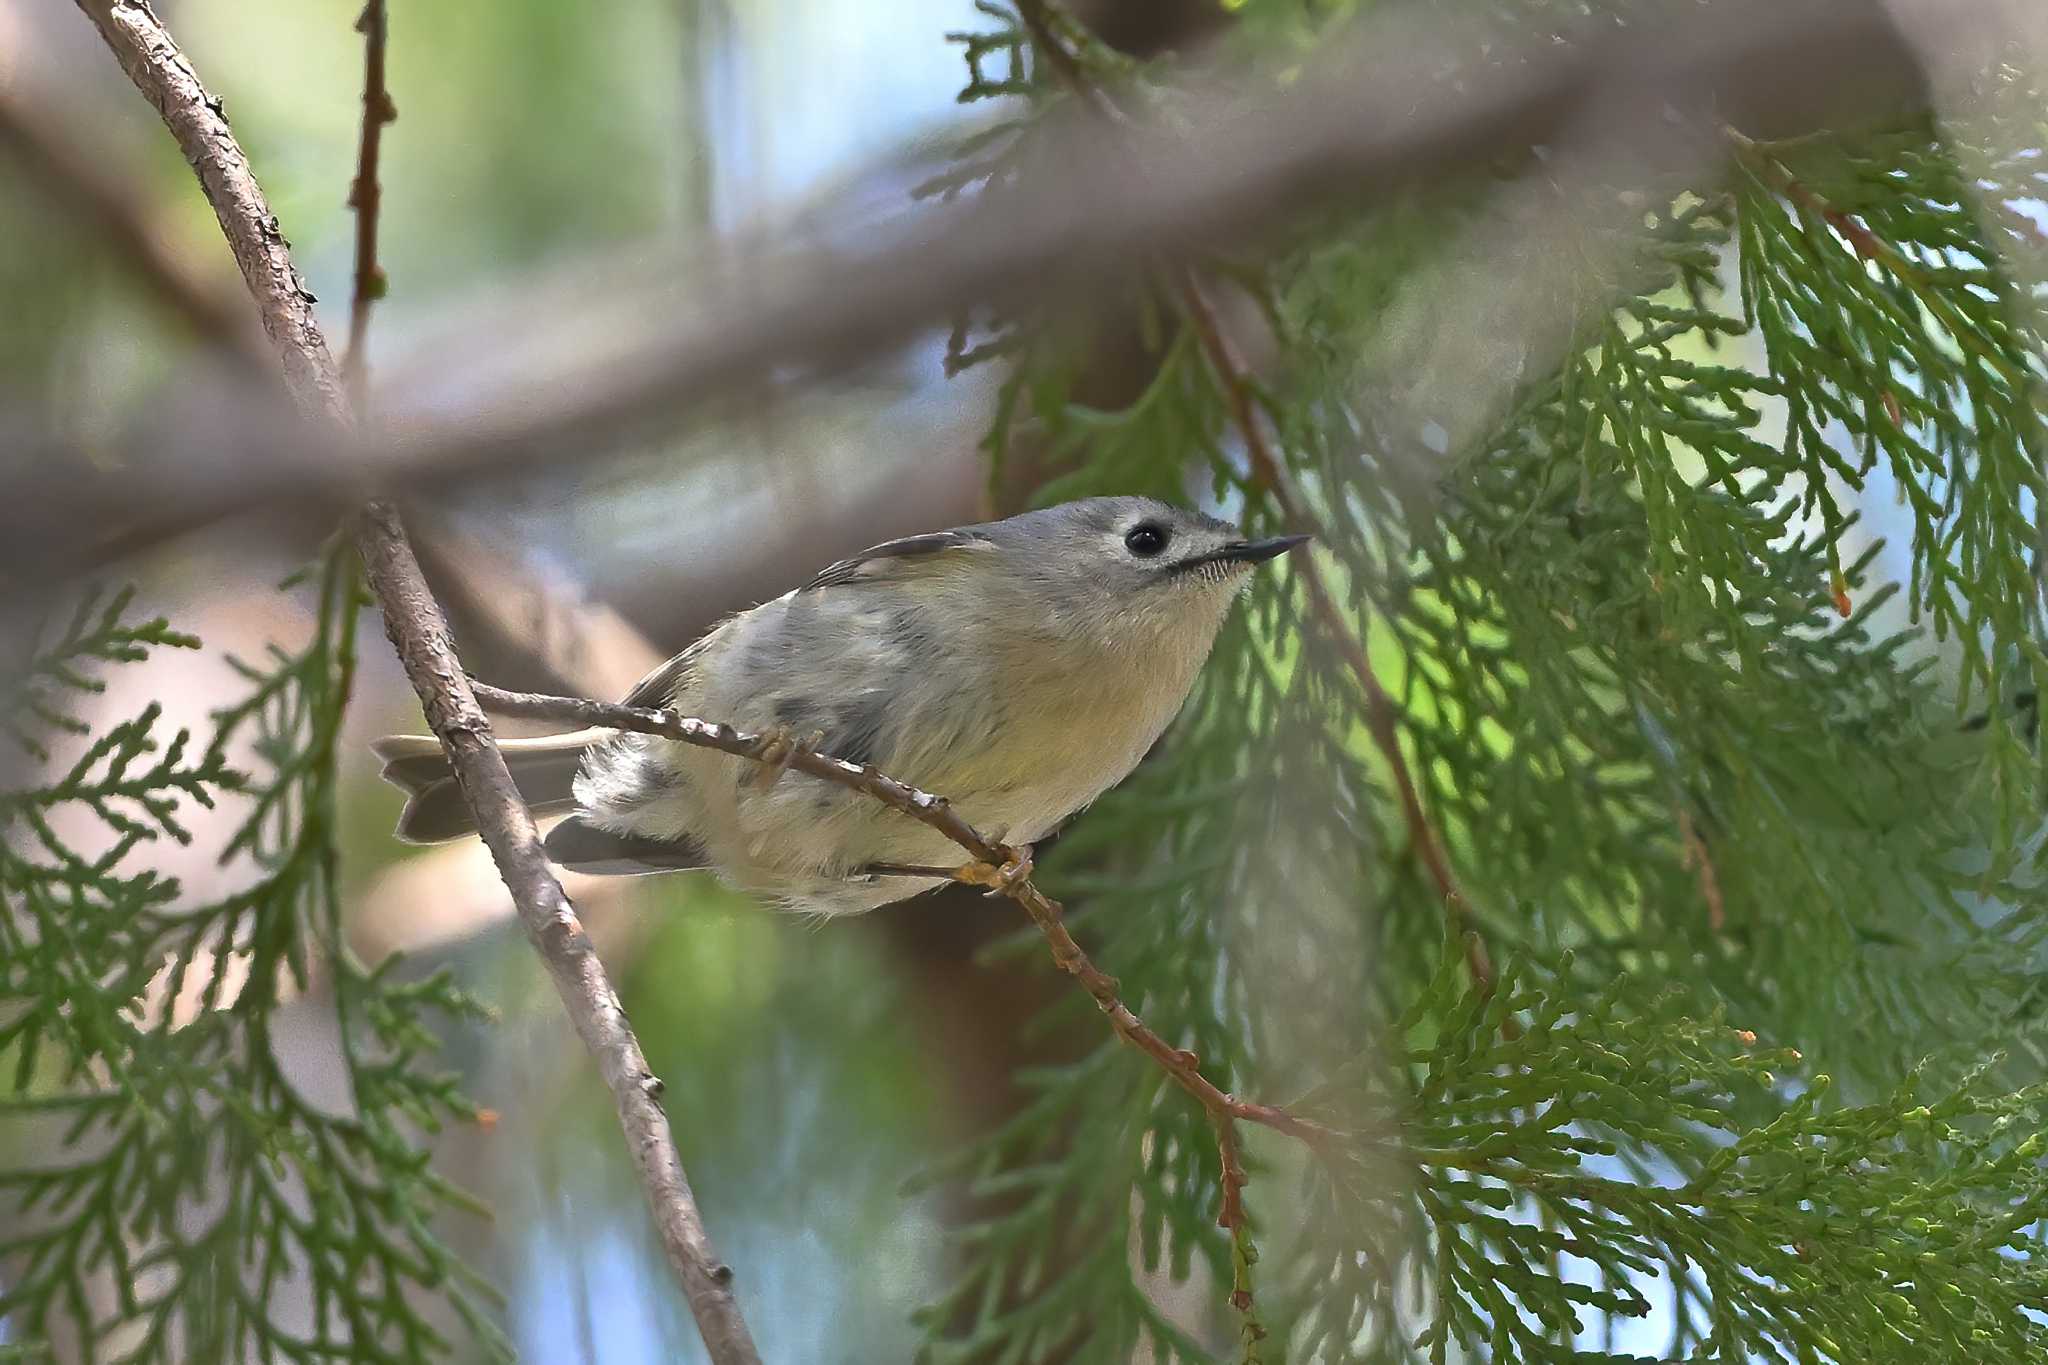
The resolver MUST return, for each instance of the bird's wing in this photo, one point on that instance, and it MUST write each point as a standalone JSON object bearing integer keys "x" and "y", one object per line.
{"x": 658, "y": 687}
{"x": 877, "y": 560}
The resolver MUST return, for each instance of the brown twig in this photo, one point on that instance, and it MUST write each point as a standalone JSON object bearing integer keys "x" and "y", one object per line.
{"x": 1696, "y": 858}
{"x": 365, "y": 195}
{"x": 1269, "y": 475}
{"x": 1038, "y": 16}
{"x": 413, "y": 620}
{"x": 1875, "y": 250}
{"x": 1182, "y": 1066}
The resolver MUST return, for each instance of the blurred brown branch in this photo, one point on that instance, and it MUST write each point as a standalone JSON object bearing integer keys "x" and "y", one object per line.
{"x": 76, "y": 178}
{"x": 413, "y": 620}
{"x": 550, "y": 622}
{"x": 1364, "y": 119}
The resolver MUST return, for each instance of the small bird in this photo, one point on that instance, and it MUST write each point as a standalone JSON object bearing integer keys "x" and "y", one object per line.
{"x": 1020, "y": 668}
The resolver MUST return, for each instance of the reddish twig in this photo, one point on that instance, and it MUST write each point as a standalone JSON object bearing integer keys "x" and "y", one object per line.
{"x": 1181, "y": 1065}
{"x": 1038, "y": 19}
{"x": 1874, "y": 250}
{"x": 1695, "y": 858}
{"x": 1270, "y": 476}
{"x": 365, "y": 195}
{"x": 1242, "y": 1252}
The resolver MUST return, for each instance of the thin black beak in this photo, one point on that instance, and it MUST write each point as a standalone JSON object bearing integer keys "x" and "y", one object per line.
{"x": 1257, "y": 551}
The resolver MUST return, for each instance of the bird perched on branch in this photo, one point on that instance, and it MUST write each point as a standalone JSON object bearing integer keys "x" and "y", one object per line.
{"x": 1020, "y": 668}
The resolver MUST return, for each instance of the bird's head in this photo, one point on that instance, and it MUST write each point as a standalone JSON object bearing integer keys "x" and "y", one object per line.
{"x": 1130, "y": 567}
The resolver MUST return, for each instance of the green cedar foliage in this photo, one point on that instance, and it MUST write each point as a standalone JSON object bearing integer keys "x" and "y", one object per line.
{"x": 1701, "y": 751}
{"x": 186, "y": 1191}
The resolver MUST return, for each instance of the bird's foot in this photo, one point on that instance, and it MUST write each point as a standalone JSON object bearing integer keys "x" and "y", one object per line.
{"x": 779, "y": 748}
{"x": 1000, "y": 881}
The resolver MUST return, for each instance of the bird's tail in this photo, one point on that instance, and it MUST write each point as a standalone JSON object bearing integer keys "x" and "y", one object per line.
{"x": 544, "y": 770}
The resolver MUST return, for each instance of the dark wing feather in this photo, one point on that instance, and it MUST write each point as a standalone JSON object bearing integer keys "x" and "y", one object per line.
{"x": 657, "y": 687}
{"x": 863, "y": 564}
{"x": 583, "y": 847}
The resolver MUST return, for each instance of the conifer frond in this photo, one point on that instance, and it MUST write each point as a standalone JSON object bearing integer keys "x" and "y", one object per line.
{"x": 199, "y": 1206}
{"x": 1606, "y": 1159}
{"x": 37, "y": 696}
{"x": 1650, "y": 676}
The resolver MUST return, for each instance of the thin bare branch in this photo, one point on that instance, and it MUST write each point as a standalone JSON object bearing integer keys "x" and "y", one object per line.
{"x": 366, "y": 196}
{"x": 1364, "y": 119}
{"x": 159, "y": 70}
{"x": 413, "y": 620}
{"x": 997, "y": 866}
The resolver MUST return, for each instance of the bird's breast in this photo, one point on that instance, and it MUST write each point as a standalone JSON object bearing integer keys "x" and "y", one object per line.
{"x": 1053, "y": 741}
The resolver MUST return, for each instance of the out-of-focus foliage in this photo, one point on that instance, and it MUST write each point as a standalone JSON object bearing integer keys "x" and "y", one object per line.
{"x": 1671, "y": 723}
{"x": 200, "y": 1205}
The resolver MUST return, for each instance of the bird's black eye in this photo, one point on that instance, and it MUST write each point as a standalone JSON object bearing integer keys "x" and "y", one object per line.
{"x": 1146, "y": 539}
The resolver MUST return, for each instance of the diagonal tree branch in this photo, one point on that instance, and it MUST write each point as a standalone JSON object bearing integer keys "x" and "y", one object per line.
{"x": 1352, "y": 127}
{"x": 413, "y": 620}
{"x": 159, "y": 70}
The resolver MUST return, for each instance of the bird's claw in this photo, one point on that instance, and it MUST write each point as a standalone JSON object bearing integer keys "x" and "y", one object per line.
{"x": 778, "y": 749}
{"x": 1000, "y": 881}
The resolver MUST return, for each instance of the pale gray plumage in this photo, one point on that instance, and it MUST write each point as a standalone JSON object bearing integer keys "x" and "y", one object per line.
{"x": 1020, "y": 667}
